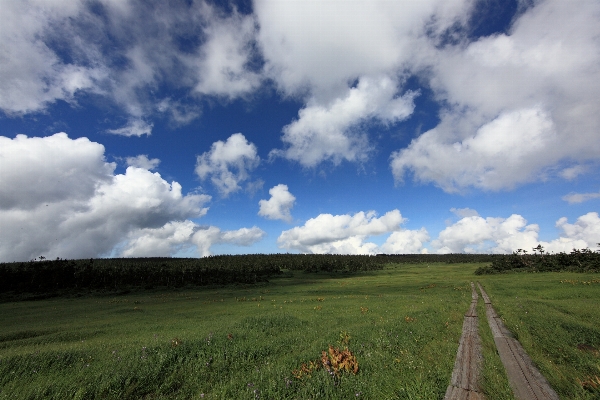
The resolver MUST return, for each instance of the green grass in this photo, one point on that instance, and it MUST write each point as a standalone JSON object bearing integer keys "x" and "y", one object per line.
{"x": 243, "y": 342}
{"x": 494, "y": 382}
{"x": 554, "y": 316}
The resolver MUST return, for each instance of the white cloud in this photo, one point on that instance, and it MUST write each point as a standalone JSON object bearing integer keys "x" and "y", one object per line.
{"x": 142, "y": 161}
{"x": 243, "y": 236}
{"x": 159, "y": 242}
{"x": 135, "y": 127}
{"x": 406, "y": 242}
{"x": 349, "y": 245}
{"x": 205, "y": 238}
{"x": 476, "y": 234}
{"x": 60, "y": 198}
{"x": 123, "y": 51}
{"x": 535, "y": 86}
{"x": 333, "y": 132}
{"x": 573, "y": 198}
{"x": 37, "y": 171}
{"x": 573, "y": 172}
{"x": 512, "y": 149}
{"x": 228, "y": 163}
{"x": 586, "y": 229}
{"x": 221, "y": 64}
{"x": 32, "y": 73}
{"x": 180, "y": 235}
{"x": 279, "y": 205}
{"x": 180, "y": 112}
{"x": 321, "y": 46}
{"x": 315, "y": 51}
{"x": 529, "y": 97}
{"x": 347, "y": 234}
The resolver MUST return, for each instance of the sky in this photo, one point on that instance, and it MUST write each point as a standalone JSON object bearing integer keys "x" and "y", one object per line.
{"x": 133, "y": 128}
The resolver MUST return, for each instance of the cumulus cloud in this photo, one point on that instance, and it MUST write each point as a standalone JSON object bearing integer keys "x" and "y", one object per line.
{"x": 317, "y": 51}
{"x": 279, "y": 205}
{"x": 159, "y": 242}
{"x": 142, "y": 161}
{"x": 60, "y": 198}
{"x": 321, "y": 46}
{"x": 586, "y": 228}
{"x": 347, "y": 234}
{"x": 228, "y": 163}
{"x": 512, "y": 149}
{"x": 332, "y": 132}
{"x": 527, "y": 97}
{"x": 475, "y": 234}
{"x": 37, "y": 171}
{"x": 574, "y": 198}
{"x": 406, "y": 242}
{"x": 181, "y": 235}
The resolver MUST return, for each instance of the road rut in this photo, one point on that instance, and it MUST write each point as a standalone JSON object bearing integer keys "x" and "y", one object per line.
{"x": 524, "y": 378}
{"x": 464, "y": 384}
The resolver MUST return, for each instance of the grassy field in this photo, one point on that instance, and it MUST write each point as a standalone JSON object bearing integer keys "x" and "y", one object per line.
{"x": 556, "y": 317}
{"x": 248, "y": 342}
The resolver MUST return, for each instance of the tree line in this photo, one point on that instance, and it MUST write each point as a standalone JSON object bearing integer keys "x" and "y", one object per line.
{"x": 115, "y": 274}
{"x": 579, "y": 260}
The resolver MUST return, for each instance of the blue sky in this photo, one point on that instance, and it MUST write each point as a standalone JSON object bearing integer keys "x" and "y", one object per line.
{"x": 190, "y": 128}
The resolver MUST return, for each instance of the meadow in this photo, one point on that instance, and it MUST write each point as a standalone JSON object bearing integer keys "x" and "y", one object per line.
{"x": 401, "y": 325}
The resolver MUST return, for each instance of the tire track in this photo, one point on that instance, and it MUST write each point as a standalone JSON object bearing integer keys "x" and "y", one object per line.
{"x": 524, "y": 378}
{"x": 464, "y": 383}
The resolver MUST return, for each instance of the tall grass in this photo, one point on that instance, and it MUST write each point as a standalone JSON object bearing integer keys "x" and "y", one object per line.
{"x": 243, "y": 342}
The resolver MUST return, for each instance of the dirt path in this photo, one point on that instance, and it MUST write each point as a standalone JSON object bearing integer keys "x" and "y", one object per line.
{"x": 467, "y": 367}
{"x": 525, "y": 380}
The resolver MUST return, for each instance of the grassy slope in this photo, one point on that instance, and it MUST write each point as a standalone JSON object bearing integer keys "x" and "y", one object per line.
{"x": 121, "y": 347}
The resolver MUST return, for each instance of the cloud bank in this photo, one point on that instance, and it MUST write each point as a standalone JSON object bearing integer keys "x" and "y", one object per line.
{"x": 475, "y": 234}
{"x": 180, "y": 236}
{"x": 348, "y": 234}
{"x": 60, "y": 198}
